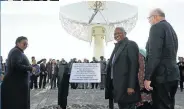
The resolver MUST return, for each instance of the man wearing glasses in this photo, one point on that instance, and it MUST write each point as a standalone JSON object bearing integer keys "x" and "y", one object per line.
{"x": 161, "y": 73}
{"x": 122, "y": 72}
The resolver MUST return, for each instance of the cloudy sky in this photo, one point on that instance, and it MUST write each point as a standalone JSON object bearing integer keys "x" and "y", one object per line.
{"x": 39, "y": 21}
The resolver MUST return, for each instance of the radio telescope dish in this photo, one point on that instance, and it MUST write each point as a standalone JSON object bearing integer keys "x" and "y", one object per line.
{"x": 75, "y": 18}
{"x": 97, "y": 19}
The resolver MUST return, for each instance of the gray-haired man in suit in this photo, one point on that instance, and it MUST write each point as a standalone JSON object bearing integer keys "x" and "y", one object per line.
{"x": 161, "y": 72}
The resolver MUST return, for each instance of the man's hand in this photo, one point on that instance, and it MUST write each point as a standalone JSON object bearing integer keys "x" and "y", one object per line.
{"x": 130, "y": 91}
{"x": 147, "y": 85}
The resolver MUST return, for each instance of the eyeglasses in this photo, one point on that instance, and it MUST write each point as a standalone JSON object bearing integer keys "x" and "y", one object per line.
{"x": 151, "y": 16}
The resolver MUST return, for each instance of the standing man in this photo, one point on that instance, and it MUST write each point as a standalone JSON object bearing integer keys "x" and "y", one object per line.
{"x": 161, "y": 72}
{"x": 73, "y": 85}
{"x": 103, "y": 73}
{"x": 43, "y": 74}
{"x": 35, "y": 75}
{"x": 57, "y": 78}
{"x": 15, "y": 93}
{"x": 122, "y": 72}
{"x": 181, "y": 68}
{"x": 94, "y": 85}
{"x": 49, "y": 70}
{"x": 6, "y": 66}
{"x": 54, "y": 73}
{"x": 1, "y": 67}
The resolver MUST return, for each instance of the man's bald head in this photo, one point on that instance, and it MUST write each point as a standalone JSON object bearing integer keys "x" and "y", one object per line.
{"x": 156, "y": 16}
{"x": 158, "y": 12}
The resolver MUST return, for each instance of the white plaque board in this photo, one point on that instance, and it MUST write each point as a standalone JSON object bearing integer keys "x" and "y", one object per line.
{"x": 85, "y": 73}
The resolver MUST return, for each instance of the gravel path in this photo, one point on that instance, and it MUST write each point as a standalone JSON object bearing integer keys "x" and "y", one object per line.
{"x": 80, "y": 99}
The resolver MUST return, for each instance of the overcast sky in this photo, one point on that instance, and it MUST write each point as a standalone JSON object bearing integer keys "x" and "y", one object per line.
{"x": 39, "y": 21}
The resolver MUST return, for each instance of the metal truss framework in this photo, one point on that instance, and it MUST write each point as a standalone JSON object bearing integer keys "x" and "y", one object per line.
{"x": 81, "y": 30}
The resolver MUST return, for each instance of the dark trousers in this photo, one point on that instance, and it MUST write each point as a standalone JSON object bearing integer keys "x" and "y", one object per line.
{"x": 74, "y": 85}
{"x": 53, "y": 81}
{"x": 33, "y": 82}
{"x": 102, "y": 84}
{"x": 49, "y": 77}
{"x": 164, "y": 95}
{"x": 181, "y": 82}
{"x": 63, "y": 91}
{"x": 126, "y": 106}
{"x": 62, "y": 102}
{"x": 42, "y": 81}
{"x": 94, "y": 85}
{"x": 62, "y": 99}
{"x": 146, "y": 105}
{"x": 57, "y": 78}
{"x": 111, "y": 101}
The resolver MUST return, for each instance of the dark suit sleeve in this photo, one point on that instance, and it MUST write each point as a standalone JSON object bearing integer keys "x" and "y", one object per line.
{"x": 41, "y": 67}
{"x": 47, "y": 67}
{"x": 39, "y": 62}
{"x": 133, "y": 52}
{"x": 154, "y": 49}
{"x": 57, "y": 69}
{"x": 16, "y": 62}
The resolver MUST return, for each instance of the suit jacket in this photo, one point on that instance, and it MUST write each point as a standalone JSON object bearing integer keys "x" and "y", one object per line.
{"x": 162, "y": 47}
{"x": 43, "y": 69}
{"x": 102, "y": 66}
{"x": 56, "y": 70}
{"x": 49, "y": 69}
{"x": 181, "y": 68}
{"x": 125, "y": 72}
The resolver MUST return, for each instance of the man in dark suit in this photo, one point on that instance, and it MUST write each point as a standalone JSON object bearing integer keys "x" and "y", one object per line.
{"x": 181, "y": 68}
{"x": 54, "y": 74}
{"x": 122, "y": 72}
{"x": 161, "y": 72}
{"x": 94, "y": 85}
{"x": 49, "y": 70}
{"x": 43, "y": 74}
{"x": 103, "y": 73}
